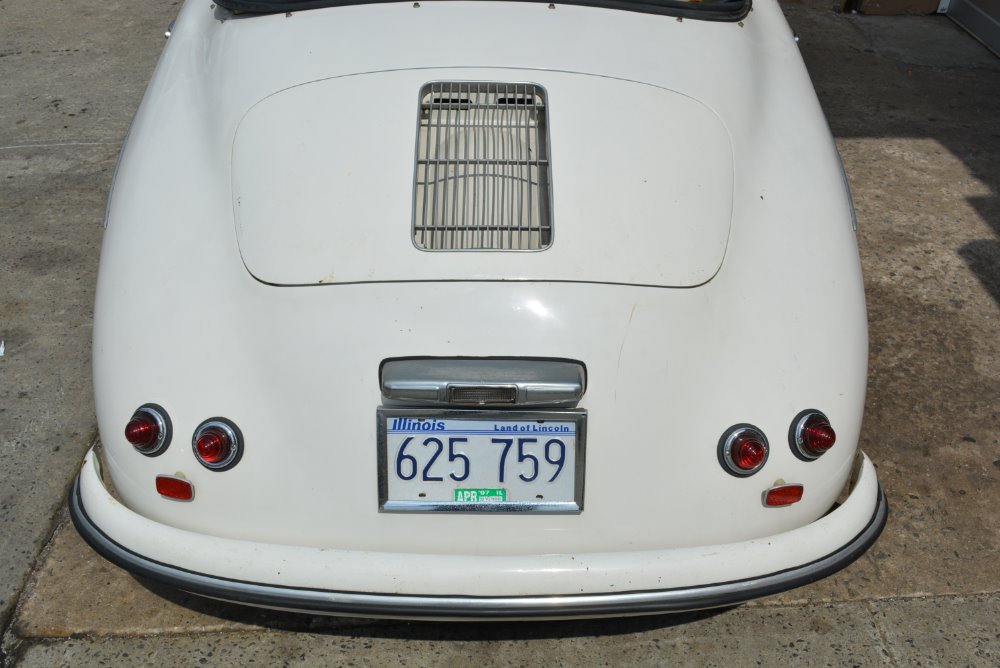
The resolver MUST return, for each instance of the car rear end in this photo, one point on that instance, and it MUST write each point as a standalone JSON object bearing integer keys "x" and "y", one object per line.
{"x": 578, "y": 335}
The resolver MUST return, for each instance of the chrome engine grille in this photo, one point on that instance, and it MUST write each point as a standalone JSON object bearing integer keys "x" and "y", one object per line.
{"x": 482, "y": 168}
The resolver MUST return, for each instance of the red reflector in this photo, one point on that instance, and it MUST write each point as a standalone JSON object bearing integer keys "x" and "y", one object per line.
{"x": 174, "y": 488}
{"x": 214, "y": 445}
{"x": 783, "y": 495}
{"x": 142, "y": 431}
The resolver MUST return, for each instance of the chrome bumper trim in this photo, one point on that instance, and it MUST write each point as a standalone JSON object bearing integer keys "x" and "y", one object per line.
{"x": 471, "y": 607}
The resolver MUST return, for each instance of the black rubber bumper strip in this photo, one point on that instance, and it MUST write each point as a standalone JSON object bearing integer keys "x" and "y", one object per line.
{"x": 722, "y": 10}
{"x": 475, "y": 607}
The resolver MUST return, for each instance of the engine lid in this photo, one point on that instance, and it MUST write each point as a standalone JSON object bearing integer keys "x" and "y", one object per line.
{"x": 329, "y": 181}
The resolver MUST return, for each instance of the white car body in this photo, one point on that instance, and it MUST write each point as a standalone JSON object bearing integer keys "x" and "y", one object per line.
{"x": 259, "y": 263}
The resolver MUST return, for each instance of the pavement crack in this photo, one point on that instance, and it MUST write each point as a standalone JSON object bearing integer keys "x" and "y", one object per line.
{"x": 10, "y": 641}
{"x": 58, "y": 144}
{"x": 890, "y": 655}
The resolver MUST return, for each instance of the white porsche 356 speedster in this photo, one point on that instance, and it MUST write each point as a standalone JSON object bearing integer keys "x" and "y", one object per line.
{"x": 480, "y": 309}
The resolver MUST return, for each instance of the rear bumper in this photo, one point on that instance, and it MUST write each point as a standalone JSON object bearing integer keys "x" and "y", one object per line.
{"x": 312, "y": 580}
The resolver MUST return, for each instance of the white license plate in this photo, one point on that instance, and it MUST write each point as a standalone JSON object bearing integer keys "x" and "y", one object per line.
{"x": 473, "y": 460}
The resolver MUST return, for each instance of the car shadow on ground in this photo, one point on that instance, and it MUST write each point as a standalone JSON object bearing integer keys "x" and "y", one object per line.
{"x": 926, "y": 80}
{"x": 278, "y": 620}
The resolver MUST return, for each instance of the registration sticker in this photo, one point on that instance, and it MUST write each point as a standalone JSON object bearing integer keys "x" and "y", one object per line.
{"x": 480, "y": 495}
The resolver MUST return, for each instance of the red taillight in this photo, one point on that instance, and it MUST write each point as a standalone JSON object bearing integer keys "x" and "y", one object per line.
{"x": 142, "y": 431}
{"x": 748, "y": 453}
{"x": 811, "y": 435}
{"x": 217, "y": 444}
{"x": 174, "y": 488}
{"x": 783, "y": 495}
{"x": 743, "y": 450}
{"x": 214, "y": 445}
{"x": 149, "y": 430}
{"x": 817, "y": 434}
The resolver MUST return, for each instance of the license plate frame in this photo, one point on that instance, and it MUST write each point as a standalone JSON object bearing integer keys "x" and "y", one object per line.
{"x": 389, "y": 496}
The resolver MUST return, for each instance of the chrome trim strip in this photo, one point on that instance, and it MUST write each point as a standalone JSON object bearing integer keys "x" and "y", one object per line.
{"x": 444, "y": 506}
{"x": 847, "y": 182}
{"x": 472, "y": 607}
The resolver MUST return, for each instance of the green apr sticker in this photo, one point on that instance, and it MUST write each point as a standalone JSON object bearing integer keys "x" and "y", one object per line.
{"x": 482, "y": 495}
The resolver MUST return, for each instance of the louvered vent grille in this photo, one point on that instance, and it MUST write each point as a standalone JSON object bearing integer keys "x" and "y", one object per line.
{"x": 482, "y": 168}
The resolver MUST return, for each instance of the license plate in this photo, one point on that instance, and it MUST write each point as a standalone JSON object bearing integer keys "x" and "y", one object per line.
{"x": 481, "y": 461}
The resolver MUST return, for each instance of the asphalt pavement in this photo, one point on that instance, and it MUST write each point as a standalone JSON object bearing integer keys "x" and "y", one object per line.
{"x": 914, "y": 104}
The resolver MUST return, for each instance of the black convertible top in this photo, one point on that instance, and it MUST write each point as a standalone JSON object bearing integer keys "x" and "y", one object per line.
{"x": 710, "y": 10}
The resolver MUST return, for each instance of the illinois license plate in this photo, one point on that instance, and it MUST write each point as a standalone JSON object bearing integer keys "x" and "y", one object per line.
{"x": 473, "y": 460}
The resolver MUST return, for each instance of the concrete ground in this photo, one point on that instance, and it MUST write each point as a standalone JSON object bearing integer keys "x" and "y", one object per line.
{"x": 915, "y": 106}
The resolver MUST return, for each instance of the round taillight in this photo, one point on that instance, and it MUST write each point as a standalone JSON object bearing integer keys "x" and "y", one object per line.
{"x": 743, "y": 450}
{"x": 142, "y": 431}
{"x": 811, "y": 435}
{"x": 149, "y": 430}
{"x": 214, "y": 445}
{"x": 217, "y": 444}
